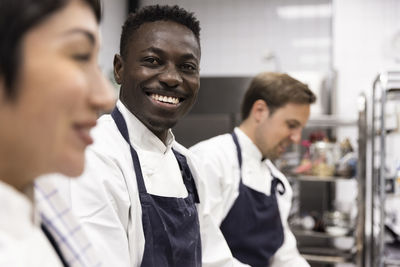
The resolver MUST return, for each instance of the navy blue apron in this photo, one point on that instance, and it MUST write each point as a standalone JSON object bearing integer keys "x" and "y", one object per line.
{"x": 170, "y": 225}
{"x": 253, "y": 227}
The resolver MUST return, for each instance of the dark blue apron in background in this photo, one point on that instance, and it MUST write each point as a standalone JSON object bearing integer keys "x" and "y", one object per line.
{"x": 170, "y": 225}
{"x": 253, "y": 227}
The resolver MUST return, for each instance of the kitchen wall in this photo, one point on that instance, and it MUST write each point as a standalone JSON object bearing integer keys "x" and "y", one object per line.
{"x": 245, "y": 37}
{"x": 364, "y": 43}
{"x": 114, "y": 14}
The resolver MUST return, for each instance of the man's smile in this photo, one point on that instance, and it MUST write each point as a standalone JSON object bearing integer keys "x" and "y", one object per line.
{"x": 165, "y": 99}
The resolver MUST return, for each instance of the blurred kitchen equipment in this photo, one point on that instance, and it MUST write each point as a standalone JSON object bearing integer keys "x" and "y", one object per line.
{"x": 324, "y": 156}
{"x": 336, "y": 223}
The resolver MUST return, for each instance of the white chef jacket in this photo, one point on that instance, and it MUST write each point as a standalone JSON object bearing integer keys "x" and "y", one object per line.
{"x": 106, "y": 200}
{"x": 22, "y": 242}
{"x": 219, "y": 156}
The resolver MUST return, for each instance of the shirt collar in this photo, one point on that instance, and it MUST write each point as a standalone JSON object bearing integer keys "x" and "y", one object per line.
{"x": 18, "y": 209}
{"x": 143, "y": 138}
{"x": 247, "y": 146}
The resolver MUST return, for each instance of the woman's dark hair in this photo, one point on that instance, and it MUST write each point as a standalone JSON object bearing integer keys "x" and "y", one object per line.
{"x": 157, "y": 13}
{"x": 17, "y": 17}
{"x": 277, "y": 90}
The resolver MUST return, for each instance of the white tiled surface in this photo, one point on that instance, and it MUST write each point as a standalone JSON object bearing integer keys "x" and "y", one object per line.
{"x": 237, "y": 35}
{"x": 114, "y": 14}
{"x": 362, "y": 33}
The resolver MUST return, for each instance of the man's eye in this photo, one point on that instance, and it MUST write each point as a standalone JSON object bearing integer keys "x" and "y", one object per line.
{"x": 189, "y": 67}
{"x": 152, "y": 60}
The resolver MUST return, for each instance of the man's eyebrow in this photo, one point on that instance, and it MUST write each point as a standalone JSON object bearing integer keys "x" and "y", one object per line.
{"x": 159, "y": 51}
{"x": 190, "y": 56}
{"x": 294, "y": 121}
{"x": 89, "y": 35}
{"x": 154, "y": 50}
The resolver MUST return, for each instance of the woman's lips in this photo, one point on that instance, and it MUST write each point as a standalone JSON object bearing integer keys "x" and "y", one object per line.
{"x": 83, "y": 131}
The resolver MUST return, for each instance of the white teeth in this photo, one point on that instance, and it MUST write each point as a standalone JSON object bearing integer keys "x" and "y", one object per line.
{"x": 165, "y": 99}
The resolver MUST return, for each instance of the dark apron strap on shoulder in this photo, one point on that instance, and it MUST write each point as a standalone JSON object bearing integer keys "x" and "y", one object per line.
{"x": 123, "y": 129}
{"x": 238, "y": 150}
{"x": 274, "y": 186}
{"x": 187, "y": 175}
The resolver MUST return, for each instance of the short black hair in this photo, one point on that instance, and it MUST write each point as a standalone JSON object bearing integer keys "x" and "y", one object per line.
{"x": 17, "y": 17}
{"x": 277, "y": 90}
{"x": 156, "y": 13}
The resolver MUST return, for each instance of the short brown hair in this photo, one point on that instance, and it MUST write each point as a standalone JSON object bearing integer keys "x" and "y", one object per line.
{"x": 277, "y": 90}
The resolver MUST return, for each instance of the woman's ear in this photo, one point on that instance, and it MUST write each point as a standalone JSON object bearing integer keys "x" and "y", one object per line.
{"x": 259, "y": 110}
{"x": 118, "y": 68}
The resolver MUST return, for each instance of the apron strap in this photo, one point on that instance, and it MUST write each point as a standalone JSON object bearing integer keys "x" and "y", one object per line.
{"x": 187, "y": 175}
{"x": 238, "y": 150}
{"x": 274, "y": 186}
{"x": 275, "y": 180}
{"x": 185, "y": 170}
{"x": 239, "y": 156}
{"x": 123, "y": 129}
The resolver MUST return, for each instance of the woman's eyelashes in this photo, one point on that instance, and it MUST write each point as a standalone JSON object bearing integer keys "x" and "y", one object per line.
{"x": 82, "y": 57}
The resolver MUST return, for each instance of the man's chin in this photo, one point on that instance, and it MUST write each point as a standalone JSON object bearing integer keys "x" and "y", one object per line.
{"x": 161, "y": 125}
{"x": 272, "y": 156}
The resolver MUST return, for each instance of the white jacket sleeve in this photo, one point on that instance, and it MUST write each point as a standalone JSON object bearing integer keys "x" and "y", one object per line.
{"x": 97, "y": 199}
{"x": 288, "y": 255}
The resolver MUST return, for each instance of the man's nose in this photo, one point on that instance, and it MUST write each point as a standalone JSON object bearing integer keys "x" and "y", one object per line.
{"x": 296, "y": 135}
{"x": 170, "y": 76}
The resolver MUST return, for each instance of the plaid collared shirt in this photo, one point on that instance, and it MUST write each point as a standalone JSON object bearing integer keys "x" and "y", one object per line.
{"x": 54, "y": 213}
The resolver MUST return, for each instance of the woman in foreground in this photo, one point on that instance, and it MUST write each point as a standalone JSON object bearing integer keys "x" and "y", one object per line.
{"x": 51, "y": 91}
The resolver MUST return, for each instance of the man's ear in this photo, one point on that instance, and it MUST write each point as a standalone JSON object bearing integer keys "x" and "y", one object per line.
{"x": 259, "y": 110}
{"x": 118, "y": 68}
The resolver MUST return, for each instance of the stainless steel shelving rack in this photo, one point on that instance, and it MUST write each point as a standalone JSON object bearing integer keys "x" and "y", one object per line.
{"x": 356, "y": 255}
{"x": 385, "y": 88}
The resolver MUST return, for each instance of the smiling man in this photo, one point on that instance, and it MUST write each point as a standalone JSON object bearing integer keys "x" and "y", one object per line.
{"x": 159, "y": 72}
{"x": 141, "y": 199}
{"x": 251, "y": 197}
